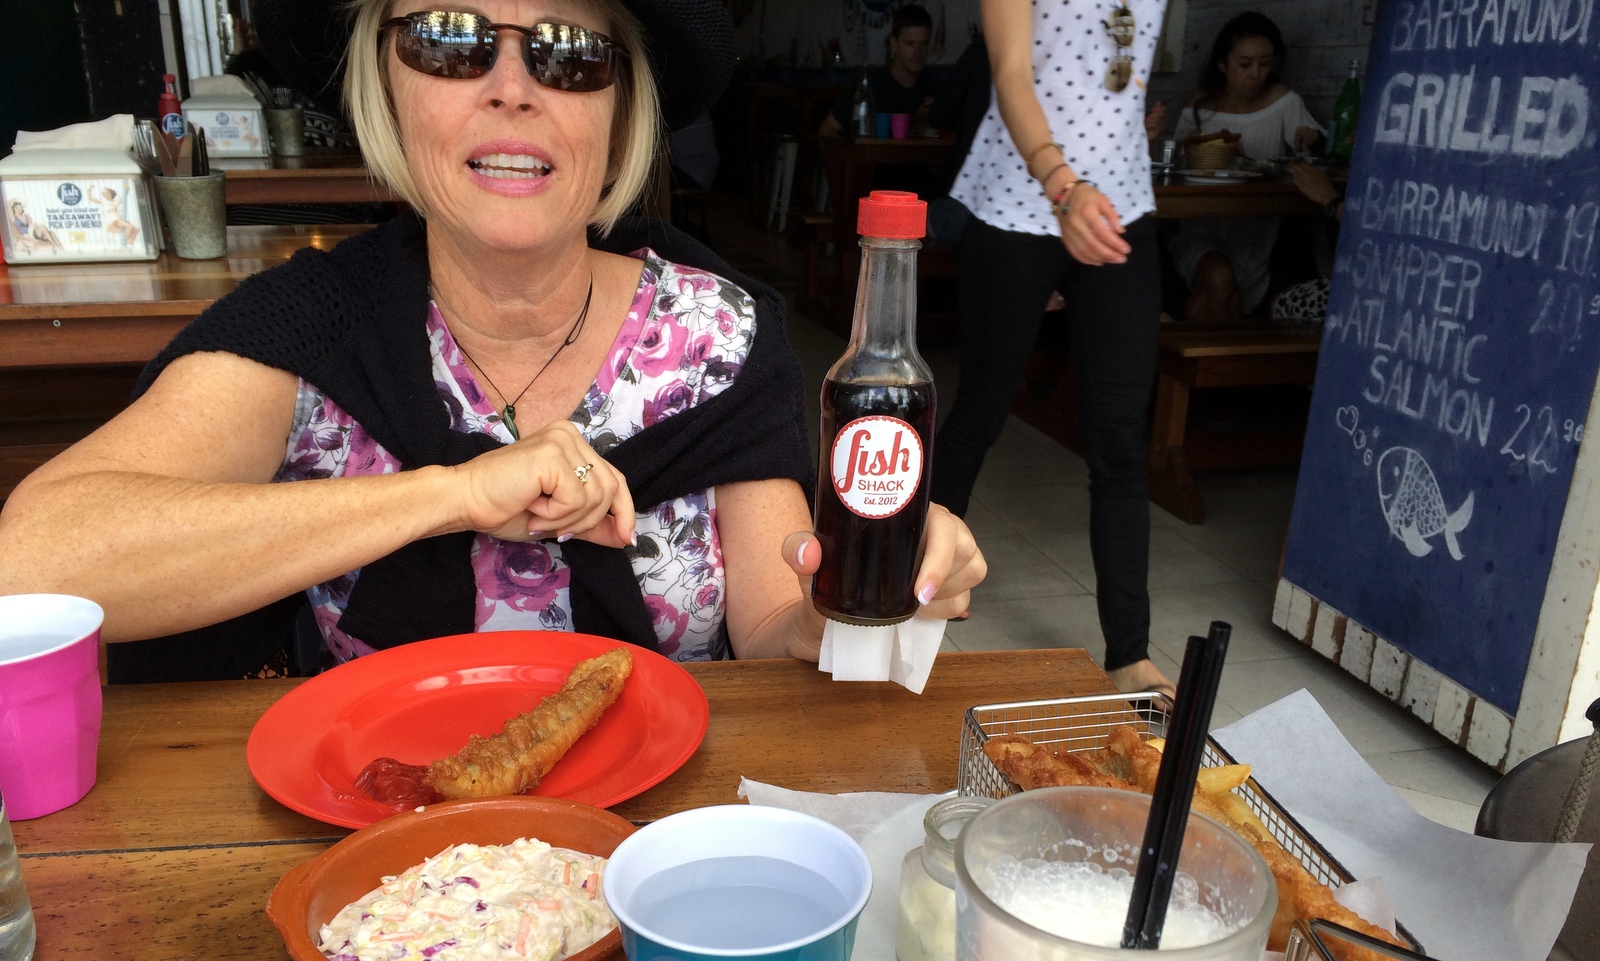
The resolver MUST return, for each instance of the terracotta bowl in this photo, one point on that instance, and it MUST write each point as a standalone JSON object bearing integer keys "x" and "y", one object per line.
{"x": 312, "y": 893}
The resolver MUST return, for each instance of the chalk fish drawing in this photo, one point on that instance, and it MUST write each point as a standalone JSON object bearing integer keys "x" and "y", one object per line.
{"x": 1413, "y": 504}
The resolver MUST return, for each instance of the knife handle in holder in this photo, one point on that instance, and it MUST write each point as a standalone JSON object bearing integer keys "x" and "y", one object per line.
{"x": 1309, "y": 941}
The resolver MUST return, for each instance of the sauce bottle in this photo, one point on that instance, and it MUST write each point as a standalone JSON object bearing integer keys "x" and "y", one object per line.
{"x": 169, "y": 112}
{"x": 877, "y": 431}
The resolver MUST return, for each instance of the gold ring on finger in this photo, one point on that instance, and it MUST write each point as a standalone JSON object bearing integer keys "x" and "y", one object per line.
{"x": 583, "y": 472}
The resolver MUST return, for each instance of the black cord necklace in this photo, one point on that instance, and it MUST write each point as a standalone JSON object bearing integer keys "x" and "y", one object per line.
{"x": 508, "y": 413}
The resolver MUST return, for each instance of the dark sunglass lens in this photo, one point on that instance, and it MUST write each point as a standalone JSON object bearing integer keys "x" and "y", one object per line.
{"x": 570, "y": 58}
{"x": 447, "y": 44}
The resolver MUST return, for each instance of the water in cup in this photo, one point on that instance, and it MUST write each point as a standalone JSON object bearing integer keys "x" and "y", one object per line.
{"x": 737, "y": 903}
{"x": 16, "y": 918}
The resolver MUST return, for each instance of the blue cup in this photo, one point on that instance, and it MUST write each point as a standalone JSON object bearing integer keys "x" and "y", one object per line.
{"x": 738, "y": 881}
{"x": 882, "y": 126}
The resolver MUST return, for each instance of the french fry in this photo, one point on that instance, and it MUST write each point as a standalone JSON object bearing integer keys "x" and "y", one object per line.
{"x": 1239, "y": 812}
{"x": 1221, "y": 780}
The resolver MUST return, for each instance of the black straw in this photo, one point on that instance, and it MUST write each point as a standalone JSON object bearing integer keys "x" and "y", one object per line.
{"x": 1174, "y": 793}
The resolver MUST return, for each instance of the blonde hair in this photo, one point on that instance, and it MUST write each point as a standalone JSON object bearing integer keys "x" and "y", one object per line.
{"x": 635, "y": 122}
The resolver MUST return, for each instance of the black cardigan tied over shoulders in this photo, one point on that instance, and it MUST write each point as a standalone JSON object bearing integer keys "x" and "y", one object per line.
{"x": 352, "y": 321}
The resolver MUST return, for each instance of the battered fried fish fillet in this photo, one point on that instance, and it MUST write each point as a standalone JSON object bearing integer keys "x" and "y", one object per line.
{"x": 1130, "y": 763}
{"x": 514, "y": 760}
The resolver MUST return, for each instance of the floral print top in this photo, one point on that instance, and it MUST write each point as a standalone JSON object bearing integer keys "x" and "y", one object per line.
{"x": 684, "y": 340}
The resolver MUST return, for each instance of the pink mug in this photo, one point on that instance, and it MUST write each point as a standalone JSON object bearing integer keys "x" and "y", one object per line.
{"x": 899, "y": 125}
{"x": 49, "y": 701}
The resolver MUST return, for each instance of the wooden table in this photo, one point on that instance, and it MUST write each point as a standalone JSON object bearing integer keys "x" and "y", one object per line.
{"x": 174, "y": 851}
{"x": 73, "y": 337}
{"x": 320, "y": 177}
{"x": 851, "y": 165}
{"x": 1176, "y": 200}
{"x": 1191, "y": 359}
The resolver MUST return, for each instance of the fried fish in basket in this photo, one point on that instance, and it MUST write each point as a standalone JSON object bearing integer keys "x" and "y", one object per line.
{"x": 1130, "y": 763}
{"x": 514, "y": 760}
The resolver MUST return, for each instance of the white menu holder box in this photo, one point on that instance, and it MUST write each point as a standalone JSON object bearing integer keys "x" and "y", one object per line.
{"x": 234, "y": 124}
{"x": 65, "y": 206}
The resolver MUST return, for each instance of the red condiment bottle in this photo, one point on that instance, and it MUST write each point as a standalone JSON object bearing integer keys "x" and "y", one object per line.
{"x": 169, "y": 111}
{"x": 877, "y": 431}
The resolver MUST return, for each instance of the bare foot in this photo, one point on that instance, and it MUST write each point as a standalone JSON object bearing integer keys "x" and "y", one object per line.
{"x": 1143, "y": 676}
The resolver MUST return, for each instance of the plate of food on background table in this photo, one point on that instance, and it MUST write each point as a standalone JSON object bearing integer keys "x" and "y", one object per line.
{"x": 1219, "y": 176}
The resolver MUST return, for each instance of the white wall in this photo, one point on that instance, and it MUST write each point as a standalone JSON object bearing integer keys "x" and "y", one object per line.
{"x": 1323, "y": 36}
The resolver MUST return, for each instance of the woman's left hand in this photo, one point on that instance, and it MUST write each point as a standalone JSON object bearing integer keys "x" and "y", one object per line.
{"x": 1314, "y": 184}
{"x": 1305, "y": 138}
{"x": 952, "y": 565}
{"x": 1091, "y": 229}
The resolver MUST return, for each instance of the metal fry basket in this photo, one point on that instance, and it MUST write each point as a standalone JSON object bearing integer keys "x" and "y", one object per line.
{"x": 1071, "y": 724}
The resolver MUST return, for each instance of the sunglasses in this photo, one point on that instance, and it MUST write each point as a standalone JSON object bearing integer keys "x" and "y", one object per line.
{"x": 1122, "y": 30}
{"x": 464, "y": 46}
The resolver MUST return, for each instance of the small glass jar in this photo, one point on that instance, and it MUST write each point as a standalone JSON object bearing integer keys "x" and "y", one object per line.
{"x": 927, "y": 927}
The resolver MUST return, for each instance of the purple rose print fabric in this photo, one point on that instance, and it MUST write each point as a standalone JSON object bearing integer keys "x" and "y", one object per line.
{"x": 686, "y": 335}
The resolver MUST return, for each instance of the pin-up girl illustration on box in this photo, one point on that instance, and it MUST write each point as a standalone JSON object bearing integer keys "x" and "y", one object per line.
{"x": 112, "y": 204}
{"x": 30, "y": 236}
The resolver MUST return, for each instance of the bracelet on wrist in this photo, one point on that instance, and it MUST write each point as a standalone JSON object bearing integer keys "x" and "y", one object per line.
{"x": 1045, "y": 180}
{"x": 1062, "y": 204}
{"x": 1027, "y": 162}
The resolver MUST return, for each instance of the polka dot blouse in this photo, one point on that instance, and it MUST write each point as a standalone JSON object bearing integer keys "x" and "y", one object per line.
{"x": 1101, "y": 133}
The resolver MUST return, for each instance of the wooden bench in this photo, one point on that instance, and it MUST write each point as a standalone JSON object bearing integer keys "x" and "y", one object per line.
{"x": 1190, "y": 359}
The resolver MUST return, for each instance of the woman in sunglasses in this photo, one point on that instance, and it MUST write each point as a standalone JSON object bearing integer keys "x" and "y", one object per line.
{"x": 1058, "y": 182}
{"x": 515, "y": 410}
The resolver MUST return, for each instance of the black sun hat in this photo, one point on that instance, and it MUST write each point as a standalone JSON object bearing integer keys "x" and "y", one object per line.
{"x": 690, "y": 49}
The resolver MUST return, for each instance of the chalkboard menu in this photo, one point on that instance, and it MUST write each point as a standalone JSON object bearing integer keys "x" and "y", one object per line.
{"x": 1462, "y": 337}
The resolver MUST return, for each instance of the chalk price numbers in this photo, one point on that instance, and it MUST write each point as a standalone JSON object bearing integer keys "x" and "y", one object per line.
{"x": 1537, "y": 438}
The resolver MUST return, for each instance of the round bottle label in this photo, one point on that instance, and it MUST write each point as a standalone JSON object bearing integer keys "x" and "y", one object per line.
{"x": 877, "y": 465}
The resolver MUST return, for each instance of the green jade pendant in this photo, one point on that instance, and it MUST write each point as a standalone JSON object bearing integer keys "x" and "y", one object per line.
{"x": 509, "y": 416}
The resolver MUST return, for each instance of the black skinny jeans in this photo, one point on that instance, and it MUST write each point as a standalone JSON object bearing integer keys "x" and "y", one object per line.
{"x": 1113, "y": 315}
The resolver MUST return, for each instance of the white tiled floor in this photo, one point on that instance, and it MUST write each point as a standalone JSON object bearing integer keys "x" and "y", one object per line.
{"x": 1030, "y": 512}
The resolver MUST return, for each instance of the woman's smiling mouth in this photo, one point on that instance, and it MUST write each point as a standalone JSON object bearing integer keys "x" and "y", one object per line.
{"x": 510, "y": 166}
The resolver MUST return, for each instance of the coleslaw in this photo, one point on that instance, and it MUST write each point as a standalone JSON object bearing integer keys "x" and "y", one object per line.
{"x": 523, "y": 900}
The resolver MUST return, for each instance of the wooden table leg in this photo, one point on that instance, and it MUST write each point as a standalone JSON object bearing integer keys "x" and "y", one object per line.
{"x": 1171, "y": 482}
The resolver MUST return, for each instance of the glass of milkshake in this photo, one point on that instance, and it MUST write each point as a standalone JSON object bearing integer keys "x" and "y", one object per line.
{"x": 1046, "y": 876}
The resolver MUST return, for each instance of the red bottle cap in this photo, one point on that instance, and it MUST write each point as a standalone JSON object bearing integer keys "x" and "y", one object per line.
{"x": 892, "y": 215}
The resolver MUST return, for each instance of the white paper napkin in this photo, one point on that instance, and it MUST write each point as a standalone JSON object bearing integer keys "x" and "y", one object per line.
{"x": 885, "y": 825}
{"x": 113, "y": 133}
{"x": 902, "y": 653}
{"x": 1466, "y": 898}
{"x": 221, "y": 85}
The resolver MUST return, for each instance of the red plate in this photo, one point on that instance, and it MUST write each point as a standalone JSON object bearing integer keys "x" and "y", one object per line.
{"x": 418, "y": 702}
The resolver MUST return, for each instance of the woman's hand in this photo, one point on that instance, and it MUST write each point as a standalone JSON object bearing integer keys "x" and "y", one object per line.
{"x": 1091, "y": 228}
{"x": 1314, "y": 184}
{"x": 1155, "y": 120}
{"x": 1305, "y": 138}
{"x": 951, "y": 567}
{"x": 537, "y": 488}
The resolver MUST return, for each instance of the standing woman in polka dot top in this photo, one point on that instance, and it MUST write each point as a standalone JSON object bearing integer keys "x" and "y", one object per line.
{"x": 1058, "y": 182}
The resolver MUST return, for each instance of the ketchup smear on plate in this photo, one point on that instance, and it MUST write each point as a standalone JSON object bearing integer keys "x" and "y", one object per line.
{"x": 396, "y": 783}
